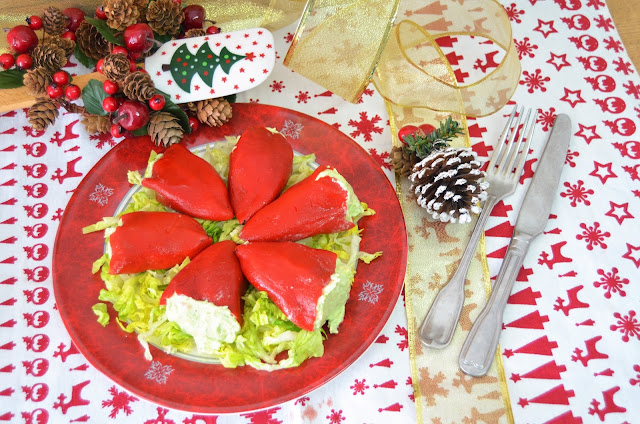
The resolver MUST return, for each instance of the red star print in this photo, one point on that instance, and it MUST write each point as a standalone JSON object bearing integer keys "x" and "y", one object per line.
{"x": 169, "y": 82}
{"x": 212, "y": 91}
{"x": 265, "y": 71}
{"x": 206, "y": 38}
{"x": 255, "y": 43}
{"x": 249, "y": 56}
{"x": 588, "y": 133}
{"x": 235, "y": 87}
{"x": 629, "y": 255}
{"x": 242, "y": 70}
{"x": 174, "y": 44}
{"x": 558, "y": 60}
{"x": 252, "y": 80}
{"x": 508, "y": 353}
{"x": 260, "y": 32}
{"x": 228, "y": 36}
{"x": 158, "y": 74}
{"x": 197, "y": 87}
{"x": 238, "y": 47}
{"x": 224, "y": 79}
{"x": 545, "y": 28}
{"x": 603, "y": 177}
{"x": 177, "y": 97}
{"x": 246, "y": 36}
{"x": 262, "y": 55}
{"x": 573, "y": 97}
{"x": 619, "y": 212}
{"x": 195, "y": 46}
{"x": 269, "y": 46}
{"x": 163, "y": 53}
{"x": 217, "y": 44}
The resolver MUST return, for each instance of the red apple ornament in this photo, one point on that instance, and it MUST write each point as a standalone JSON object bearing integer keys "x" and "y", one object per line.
{"x": 75, "y": 16}
{"x": 138, "y": 37}
{"x": 21, "y": 39}
{"x": 193, "y": 16}
{"x": 132, "y": 115}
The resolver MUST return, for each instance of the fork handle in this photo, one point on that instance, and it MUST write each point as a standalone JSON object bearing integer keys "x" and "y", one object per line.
{"x": 442, "y": 319}
{"x": 480, "y": 346}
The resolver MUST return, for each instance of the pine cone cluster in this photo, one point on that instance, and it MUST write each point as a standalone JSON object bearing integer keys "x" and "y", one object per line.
{"x": 116, "y": 67}
{"x": 96, "y": 124}
{"x": 43, "y": 112}
{"x": 49, "y": 56}
{"x": 403, "y": 161}
{"x": 36, "y": 80}
{"x": 91, "y": 42}
{"x": 65, "y": 44}
{"x": 165, "y": 16}
{"x": 448, "y": 184}
{"x": 121, "y": 13}
{"x": 213, "y": 112}
{"x": 138, "y": 86}
{"x": 165, "y": 129}
{"x": 195, "y": 32}
{"x": 54, "y": 21}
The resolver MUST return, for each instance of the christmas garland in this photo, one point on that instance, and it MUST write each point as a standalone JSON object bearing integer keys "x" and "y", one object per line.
{"x": 114, "y": 42}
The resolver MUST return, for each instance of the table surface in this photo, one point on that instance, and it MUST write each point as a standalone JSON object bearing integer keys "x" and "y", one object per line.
{"x": 626, "y": 15}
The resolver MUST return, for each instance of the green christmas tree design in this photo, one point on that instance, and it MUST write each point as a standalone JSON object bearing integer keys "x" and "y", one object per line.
{"x": 184, "y": 64}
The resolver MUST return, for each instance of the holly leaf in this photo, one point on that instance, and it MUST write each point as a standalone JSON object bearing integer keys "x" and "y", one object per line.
{"x": 175, "y": 110}
{"x": 11, "y": 78}
{"x": 92, "y": 95}
{"x": 110, "y": 34}
{"x": 141, "y": 131}
{"x": 85, "y": 60}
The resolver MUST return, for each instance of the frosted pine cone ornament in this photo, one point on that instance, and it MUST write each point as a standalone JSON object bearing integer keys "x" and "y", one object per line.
{"x": 449, "y": 184}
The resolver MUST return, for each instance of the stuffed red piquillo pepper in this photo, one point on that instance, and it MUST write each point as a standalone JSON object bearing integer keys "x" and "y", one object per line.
{"x": 259, "y": 168}
{"x": 322, "y": 203}
{"x": 309, "y": 285}
{"x": 154, "y": 240}
{"x": 188, "y": 184}
{"x": 205, "y": 297}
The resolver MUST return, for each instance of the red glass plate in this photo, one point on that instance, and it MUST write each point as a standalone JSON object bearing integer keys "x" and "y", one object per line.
{"x": 208, "y": 388}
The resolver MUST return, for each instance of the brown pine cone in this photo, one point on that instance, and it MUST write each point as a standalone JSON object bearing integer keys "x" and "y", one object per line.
{"x": 121, "y": 13}
{"x": 141, "y": 5}
{"x": 96, "y": 124}
{"x": 67, "y": 45}
{"x": 49, "y": 57}
{"x": 116, "y": 67}
{"x": 165, "y": 16}
{"x": 403, "y": 161}
{"x": 43, "y": 113}
{"x": 191, "y": 107}
{"x": 54, "y": 21}
{"x": 91, "y": 42}
{"x": 195, "y": 32}
{"x": 213, "y": 112}
{"x": 36, "y": 80}
{"x": 165, "y": 129}
{"x": 138, "y": 86}
{"x": 448, "y": 184}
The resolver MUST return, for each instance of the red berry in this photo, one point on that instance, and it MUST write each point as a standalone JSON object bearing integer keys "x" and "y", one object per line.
{"x": 213, "y": 30}
{"x": 61, "y": 78}
{"x": 193, "y": 16}
{"x": 138, "y": 37}
{"x": 34, "y": 22}
{"x": 110, "y": 87}
{"x": 110, "y": 104}
{"x": 54, "y": 91}
{"x": 75, "y": 16}
{"x": 193, "y": 123}
{"x": 116, "y": 130}
{"x": 21, "y": 39}
{"x": 24, "y": 61}
{"x": 7, "y": 60}
{"x": 132, "y": 65}
{"x": 72, "y": 92}
{"x": 69, "y": 35}
{"x": 120, "y": 49}
{"x": 157, "y": 102}
{"x": 406, "y": 130}
{"x": 100, "y": 13}
{"x": 427, "y": 128}
{"x": 99, "y": 64}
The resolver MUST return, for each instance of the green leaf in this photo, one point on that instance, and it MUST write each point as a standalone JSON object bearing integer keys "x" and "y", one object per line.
{"x": 162, "y": 38}
{"x": 174, "y": 109}
{"x": 141, "y": 131}
{"x": 110, "y": 34}
{"x": 231, "y": 98}
{"x": 85, "y": 60}
{"x": 92, "y": 95}
{"x": 11, "y": 78}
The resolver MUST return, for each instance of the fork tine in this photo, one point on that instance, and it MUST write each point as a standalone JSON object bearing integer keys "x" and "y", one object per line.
{"x": 518, "y": 144}
{"x": 501, "y": 141}
{"x": 512, "y": 148}
{"x": 525, "y": 152}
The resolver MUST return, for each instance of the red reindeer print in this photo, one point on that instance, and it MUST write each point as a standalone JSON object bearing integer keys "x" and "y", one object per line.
{"x": 68, "y": 134}
{"x": 76, "y": 398}
{"x": 574, "y": 303}
{"x": 610, "y": 406}
{"x": 63, "y": 354}
{"x": 592, "y": 352}
{"x": 556, "y": 256}
{"x": 70, "y": 172}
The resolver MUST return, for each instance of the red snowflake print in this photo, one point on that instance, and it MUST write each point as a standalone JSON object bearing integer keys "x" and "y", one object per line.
{"x": 596, "y": 4}
{"x": 288, "y": 38}
{"x": 335, "y": 417}
{"x": 619, "y": 212}
{"x": 632, "y": 89}
{"x": 634, "y": 381}
{"x": 359, "y": 386}
{"x": 513, "y": 13}
{"x": 571, "y": 155}
{"x": 302, "y": 401}
{"x": 611, "y": 44}
{"x": 604, "y": 23}
{"x": 161, "y": 418}
{"x": 119, "y": 402}
{"x": 593, "y": 235}
{"x": 525, "y": 48}
{"x": 381, "y": 158}
{"x": 365, "y": 126}
{"x": 276, "y": 86}
{"x": 303, "y": 97}
{"x": 577, "y": 193}
{"x": 401, "y": 331}
{"x": 546, "y": 118}
{"x": 611, "y": 282}
{"x": 104, "y": 140}
{"x": 628, "y": 325}
{"x": 623, "y": 66}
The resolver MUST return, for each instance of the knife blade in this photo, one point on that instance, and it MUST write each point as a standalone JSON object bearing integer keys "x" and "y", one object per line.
{"x": 480, "y": 346}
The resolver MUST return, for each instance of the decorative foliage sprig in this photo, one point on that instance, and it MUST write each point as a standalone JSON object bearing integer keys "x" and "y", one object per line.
{"x": 422, "y": 144}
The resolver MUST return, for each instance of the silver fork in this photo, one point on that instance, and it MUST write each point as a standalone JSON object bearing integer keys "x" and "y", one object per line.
{"x": 502, "y": 174}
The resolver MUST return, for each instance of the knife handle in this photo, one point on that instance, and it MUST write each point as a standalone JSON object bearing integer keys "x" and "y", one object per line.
{"x": 480, "y": 346}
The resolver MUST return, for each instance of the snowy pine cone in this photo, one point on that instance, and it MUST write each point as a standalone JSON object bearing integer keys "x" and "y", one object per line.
{"x": 448, "y": 184}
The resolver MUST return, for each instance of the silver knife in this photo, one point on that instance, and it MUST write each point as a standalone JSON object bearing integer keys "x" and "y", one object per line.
{"x": 480, "y": 346}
